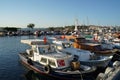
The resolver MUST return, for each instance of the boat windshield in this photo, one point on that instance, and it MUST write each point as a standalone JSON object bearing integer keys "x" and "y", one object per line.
{"x": 81, "y": 40}
{"x": 98, "y": 47}
{"x": 59, "y": 47}
{"x": 44, "y": 50}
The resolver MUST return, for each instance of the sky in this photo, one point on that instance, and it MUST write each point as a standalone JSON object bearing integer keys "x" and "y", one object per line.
{"x": 56, "y": 13}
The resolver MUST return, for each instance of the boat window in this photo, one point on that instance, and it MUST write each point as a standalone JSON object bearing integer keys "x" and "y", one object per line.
{"x": 44, "y": 60}
{"x": 66, "y": 45}
{"x": 72, "y": 40}
{"x": 51, "y": 62}
{"x": 80, "y": 39}
{"x": 52, "y": 49}
{"x": 68, "y": 53}
{"x": 35, "y": 49}
{"x": 59, "y": 47}
{"x": 103, "y": 41}
{"x": 98, "y": 48}
{"x": 41, "y": 50}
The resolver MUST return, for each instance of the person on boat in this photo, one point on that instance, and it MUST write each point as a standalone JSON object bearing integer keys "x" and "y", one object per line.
{"x": 45, "y": 40}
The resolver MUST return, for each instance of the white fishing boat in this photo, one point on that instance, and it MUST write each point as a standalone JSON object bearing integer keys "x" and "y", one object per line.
{"x": 44, "y": 59}
{"x": 84, "y": 56}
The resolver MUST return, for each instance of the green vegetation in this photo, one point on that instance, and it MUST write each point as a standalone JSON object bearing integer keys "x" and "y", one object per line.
{"x": 14, "y": 29}
{"x": 31, "y": 25}
{"x": 67, "y": 28}
{"x": 51, "y": 28}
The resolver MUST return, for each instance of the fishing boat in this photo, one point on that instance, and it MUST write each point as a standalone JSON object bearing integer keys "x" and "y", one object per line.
{"x": 43, "y": 58}
{"x": 84, "y": 56}
{"x": 97, "y": 48}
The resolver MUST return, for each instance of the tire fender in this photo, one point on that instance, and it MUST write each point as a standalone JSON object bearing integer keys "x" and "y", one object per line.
{"x": 47, "y": 69}
{"x": 29, "y": 61}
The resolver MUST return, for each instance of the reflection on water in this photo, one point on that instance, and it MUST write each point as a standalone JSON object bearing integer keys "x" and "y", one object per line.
{"x": 31, "y": 75}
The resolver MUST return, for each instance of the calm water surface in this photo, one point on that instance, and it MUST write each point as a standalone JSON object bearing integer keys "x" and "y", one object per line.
{"x": 10, "y": 66}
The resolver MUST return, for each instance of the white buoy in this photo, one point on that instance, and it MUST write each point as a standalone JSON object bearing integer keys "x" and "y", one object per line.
{"x": 116, "y": 64}
{"x": 108, "y": 70}
{"x": 101, "y": 76}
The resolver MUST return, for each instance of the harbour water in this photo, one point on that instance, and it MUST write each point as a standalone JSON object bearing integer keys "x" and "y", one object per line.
{"x": 10, "y": 66}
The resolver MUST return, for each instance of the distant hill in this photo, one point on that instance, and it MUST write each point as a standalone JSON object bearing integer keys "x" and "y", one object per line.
{"x": 34, "y": 29}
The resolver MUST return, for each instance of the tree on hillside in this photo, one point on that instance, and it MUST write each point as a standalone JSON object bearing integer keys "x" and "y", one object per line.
{"x": 31, "y": 25}
{"x": 14, "y": 29}
{"x": 51, "y": 28}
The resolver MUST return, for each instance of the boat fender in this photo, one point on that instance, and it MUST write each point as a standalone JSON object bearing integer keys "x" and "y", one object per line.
{"x": 109, "y": 70}
{"x": 30, "y": 61}
{"x": 116, "y": 64}
{"x": 47, "y": 69}
{"x": 75, "y": 65}
{"x": 101, "y": 76}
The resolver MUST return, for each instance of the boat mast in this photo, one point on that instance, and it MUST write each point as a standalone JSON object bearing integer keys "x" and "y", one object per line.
{"x": 76, "y": 25}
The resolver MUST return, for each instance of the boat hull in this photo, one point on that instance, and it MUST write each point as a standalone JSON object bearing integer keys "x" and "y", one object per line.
{"x": 54, "y": 75}
{"x": 101, "y": 63}
{"x": 87, "y": 58}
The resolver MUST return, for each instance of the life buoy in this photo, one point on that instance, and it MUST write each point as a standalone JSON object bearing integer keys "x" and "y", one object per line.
{"x": 47, "y": 69}
{"x": 29, "y": 61}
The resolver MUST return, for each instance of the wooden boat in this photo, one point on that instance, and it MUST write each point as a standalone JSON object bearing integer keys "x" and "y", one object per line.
{"x": 44, "y": 59}
{"x": 84, "y": 56}
{"x": 97, "y": 48}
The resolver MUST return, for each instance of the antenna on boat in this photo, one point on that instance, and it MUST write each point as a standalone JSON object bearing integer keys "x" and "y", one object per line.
{"x": 87, "y": 21}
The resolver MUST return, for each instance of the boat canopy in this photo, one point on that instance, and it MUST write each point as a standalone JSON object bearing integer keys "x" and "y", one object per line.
{"x": 34, "y": 42}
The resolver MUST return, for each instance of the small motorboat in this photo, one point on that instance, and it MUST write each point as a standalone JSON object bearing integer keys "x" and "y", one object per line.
{"x": 44, "y": 59}
{"x": 84, "y": 56}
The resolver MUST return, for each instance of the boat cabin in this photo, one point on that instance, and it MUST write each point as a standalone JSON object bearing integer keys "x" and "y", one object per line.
{"x": 67, "y": 47}
{"x": 46, "y": 54}
{"x": 62, "y": 43}
{"x": 75, "y": 39}
{"x": 90, "y": 46}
